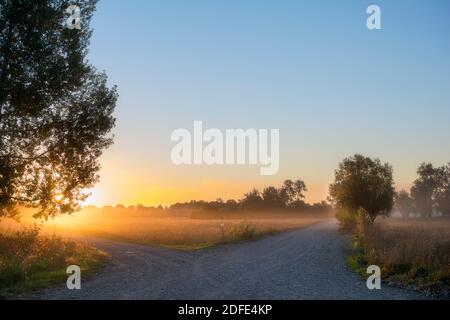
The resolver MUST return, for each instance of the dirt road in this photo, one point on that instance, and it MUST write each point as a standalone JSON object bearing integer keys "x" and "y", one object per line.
{"x": 302, "y": 264}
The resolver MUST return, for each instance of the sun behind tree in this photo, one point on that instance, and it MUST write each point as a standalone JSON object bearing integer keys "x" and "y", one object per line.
{"x": 55, "y": 108}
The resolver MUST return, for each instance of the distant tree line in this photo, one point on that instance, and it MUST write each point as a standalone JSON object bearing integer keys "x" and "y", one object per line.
{"x": 289, "y": 197}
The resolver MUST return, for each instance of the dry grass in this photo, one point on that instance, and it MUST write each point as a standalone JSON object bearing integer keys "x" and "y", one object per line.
{"x": 412, "y": 252}
{"x": 29, "y": 260}
{"x": 178, "y": 232}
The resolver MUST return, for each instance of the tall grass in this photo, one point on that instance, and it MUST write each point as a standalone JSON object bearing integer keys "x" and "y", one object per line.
{"x": 29, "y": 260}
{"x": 413, "y": 253}
{"x": 247, "y": 231}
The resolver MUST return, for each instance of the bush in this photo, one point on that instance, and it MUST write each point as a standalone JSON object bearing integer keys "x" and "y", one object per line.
{"x": 347, "y": 221}
{"x": 242, "y": 232}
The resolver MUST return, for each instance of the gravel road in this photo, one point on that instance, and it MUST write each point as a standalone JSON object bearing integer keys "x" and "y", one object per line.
{"x": 302, "y": 264}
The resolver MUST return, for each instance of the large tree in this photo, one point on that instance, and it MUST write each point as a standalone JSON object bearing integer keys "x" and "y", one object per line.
{"x": 363, "y": 183}
{"x": 424, "y": 188}
{"x": 55, "y": 108}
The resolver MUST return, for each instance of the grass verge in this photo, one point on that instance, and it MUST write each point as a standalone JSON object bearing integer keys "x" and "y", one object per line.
{"x": 412, "y": 254}
{"x": 29, "y": 260}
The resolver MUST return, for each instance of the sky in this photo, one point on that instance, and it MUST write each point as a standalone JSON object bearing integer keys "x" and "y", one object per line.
{"x": 311, "y": 69}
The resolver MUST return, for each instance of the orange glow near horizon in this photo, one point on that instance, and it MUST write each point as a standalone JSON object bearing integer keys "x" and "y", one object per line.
{"x": 142, "y": 180}
{"x": 208, "y": 190}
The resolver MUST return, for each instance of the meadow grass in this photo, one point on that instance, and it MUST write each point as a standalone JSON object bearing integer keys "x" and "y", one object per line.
{"x": 30, "y": 260}
{"x": 183, "y": 233}
{"x": 412, "y": 253}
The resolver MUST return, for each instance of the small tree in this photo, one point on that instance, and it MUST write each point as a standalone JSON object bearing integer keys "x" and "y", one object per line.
{"x": 293, "y": 191}
{"x": 404, "y": 203}
{"x": 363, "y": 183}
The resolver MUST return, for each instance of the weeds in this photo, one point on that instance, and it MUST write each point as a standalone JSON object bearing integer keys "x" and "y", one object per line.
{"x": 242, "y": 232}
{"x": 29, "y": 260}
{"x": 413, "y": 254}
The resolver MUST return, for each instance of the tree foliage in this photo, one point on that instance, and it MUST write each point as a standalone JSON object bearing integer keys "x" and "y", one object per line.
{"x": 442, "y": 192}
{"x": 424, "y": 188}
{"x": 363, "y": 183}
{"x": 288, "y": 197}
{"x": 55, "y": 108}
{"x": 294, "y": 191}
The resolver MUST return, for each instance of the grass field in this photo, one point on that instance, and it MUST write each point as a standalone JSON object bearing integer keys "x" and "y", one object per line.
{"x": 411, "y": 252}
{"x": 181, "y": 232}
{"x": 175, "y": 230}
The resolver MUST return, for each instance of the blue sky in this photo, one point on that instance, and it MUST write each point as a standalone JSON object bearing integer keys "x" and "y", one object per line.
{"x": 310, "y": 68}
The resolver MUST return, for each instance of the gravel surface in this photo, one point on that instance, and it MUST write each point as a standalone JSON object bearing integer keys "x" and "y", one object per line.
{"x": 302, "y": 264}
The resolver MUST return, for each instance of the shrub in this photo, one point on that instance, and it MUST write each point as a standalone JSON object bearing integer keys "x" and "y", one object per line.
{"x": 347, "y": 220}
{"x": 242, "y": 232}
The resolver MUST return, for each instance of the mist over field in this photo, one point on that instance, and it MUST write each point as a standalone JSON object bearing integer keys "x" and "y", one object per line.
{"x": 178, "y": 228}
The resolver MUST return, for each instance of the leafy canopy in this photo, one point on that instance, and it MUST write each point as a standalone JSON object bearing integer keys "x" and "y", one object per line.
{"x": 363, "y": 183}
{"x": 55, "y": 108}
